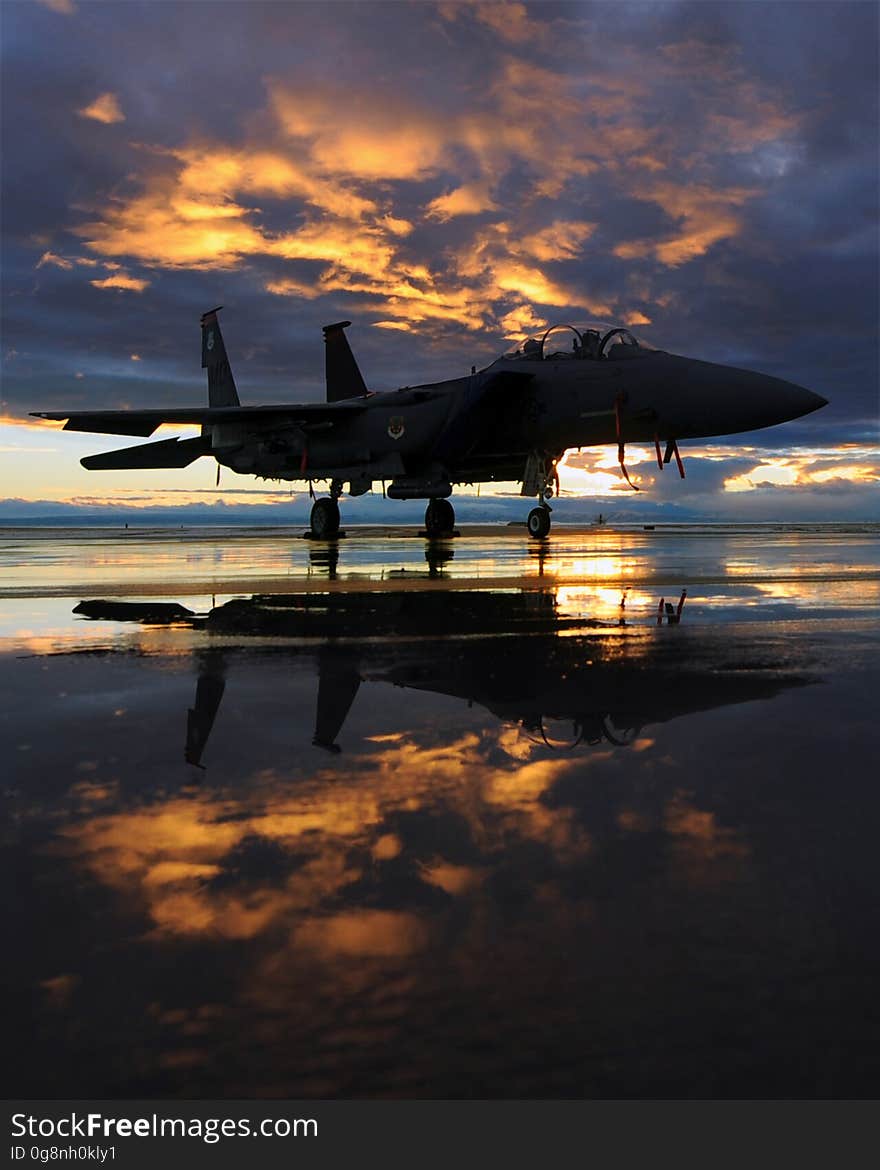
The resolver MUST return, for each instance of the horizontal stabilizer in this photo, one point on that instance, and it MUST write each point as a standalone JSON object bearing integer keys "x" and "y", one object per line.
{"x": 165, "y": 453}
{"x": 144, "y": 422}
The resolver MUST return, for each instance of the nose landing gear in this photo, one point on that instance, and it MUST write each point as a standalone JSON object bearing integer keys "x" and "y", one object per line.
{"x": 539, "y": 521}
{"x": 539, "y": 479}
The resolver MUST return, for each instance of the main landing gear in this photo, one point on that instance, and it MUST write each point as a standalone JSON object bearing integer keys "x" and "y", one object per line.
{"x": 439, "y": 518}
{"x": 324, "y": 521}
{"x": 324, "y": 518}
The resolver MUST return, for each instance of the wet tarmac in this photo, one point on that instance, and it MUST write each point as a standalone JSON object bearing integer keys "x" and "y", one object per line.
{"x": 595, "y": 817}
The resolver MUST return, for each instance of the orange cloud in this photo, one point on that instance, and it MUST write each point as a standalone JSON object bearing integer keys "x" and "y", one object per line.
{"x": 529, "y": 283}
{"x": 560, "y": 240}
{"x": 67, "y": 263}
{"x": 397, "y": 227}
{"x": 216, "y": 173}
{"x": 379, "y": 140}
{"x": 356, "y": 250}
{"x": 412, "y": 297}
{"x": 55, "y": 261}
{"x": 402, "y": 326}
{"x": 508, "y": 21}
{"x": 150, "y": 229}
{"x": 121, "y": 281}
{"x": 468, "y": 200}
{"x": 503, "y": 267}
{"x": 705, "y": 215}
{"x": 780, "y": 472}
{"x": 853, "y": 473}
{"x": 521, "y": 323}
{"x": 454, "y": 879}
{"x": 164, "y": 856}
{"x": 703, "y": 847}
{"x": 808, "y": 470}
{"x": 104, "y": 109}
{"x": 10, "y": 420}
{"x": 597, "y": 474}
{"x": 364, "y": 933}
{"x": 288, "y": 286}
{"x": 341, "y": 167}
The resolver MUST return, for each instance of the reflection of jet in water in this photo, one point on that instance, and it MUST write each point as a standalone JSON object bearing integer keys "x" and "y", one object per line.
{"x": 511, "y": 653}
{"x": 200, "y": 718}
{"x": 149, "y": 613}
{"x": 392, "y": 613}
{"x": 511, "y": 421}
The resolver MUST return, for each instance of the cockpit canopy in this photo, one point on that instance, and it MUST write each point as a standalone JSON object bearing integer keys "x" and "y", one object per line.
{"x": 595, "y": 342}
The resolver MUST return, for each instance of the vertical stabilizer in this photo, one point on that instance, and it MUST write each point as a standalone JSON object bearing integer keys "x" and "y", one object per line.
{"x": 343, "y": 377}
{"x": 221, "y": 384}
{"x": 338, "y": 683}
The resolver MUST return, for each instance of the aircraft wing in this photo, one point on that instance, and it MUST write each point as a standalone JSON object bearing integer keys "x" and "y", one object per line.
{"x": 144, "y": 422}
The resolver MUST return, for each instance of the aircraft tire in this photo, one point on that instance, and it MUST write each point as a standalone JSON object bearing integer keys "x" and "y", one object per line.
{"x": 539, "y": 522}
{"x": 324, "y": 520}
{"x": 439, "y": 517}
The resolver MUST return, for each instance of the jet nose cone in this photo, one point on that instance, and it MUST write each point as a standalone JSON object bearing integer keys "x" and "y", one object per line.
{"x": 790, "y": 400}
{"x": 704, "y": 399}
{"x": 812, "y": 401}
{"x": 775, "y": 400}
{"x": 735, "y": 400}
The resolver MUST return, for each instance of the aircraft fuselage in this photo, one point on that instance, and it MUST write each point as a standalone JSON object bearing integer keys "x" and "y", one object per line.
{"x": 551, "y": 407}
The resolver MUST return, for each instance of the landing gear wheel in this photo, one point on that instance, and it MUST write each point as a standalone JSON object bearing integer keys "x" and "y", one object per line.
{"x": 439, "y": 517}
{"x": 539, "y": 522}
{"x": 324, "y": 519}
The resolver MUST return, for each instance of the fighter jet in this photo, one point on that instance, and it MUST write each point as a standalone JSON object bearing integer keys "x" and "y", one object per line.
{"x": 511, "y": 421}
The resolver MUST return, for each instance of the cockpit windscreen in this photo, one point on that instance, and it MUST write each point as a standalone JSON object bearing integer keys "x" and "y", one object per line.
{"x": 596, "y": 342}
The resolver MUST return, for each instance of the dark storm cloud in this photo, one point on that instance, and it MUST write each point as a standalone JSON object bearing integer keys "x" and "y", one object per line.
{"x": 461, "y": 170}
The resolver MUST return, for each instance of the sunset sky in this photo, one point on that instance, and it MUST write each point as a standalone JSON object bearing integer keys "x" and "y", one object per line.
{"x": 449, "y": 177}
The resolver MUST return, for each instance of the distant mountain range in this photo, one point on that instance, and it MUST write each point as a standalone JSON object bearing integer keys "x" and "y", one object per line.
{"x": 370, "y": 510}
